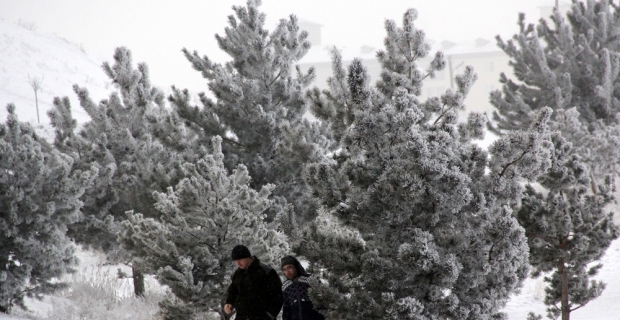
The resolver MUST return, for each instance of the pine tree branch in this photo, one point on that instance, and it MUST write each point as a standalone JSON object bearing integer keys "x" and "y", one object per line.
{"x": 204, "y": 129}
{"x": 79, "y": 150}
{"x": 277, "y": 104}
{"x": 247, "y": 113}
{"x": 491, "y": 251}
{"x": 571, "y": 310}
{"x": 547, "y": 240}
{"x": 233, "y": 142}
{"x": 201, "y": 242}
{"x": 274, "y": 80}
{"x": 593, "y": 184}
{"x": 443, "y": 113}
{"x": 513, "y": 162}
{"x": 197, "y": 220}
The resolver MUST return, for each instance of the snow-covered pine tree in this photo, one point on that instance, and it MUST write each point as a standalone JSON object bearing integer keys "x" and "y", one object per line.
{"x": 258, "y": 106}
{"x": 571, "y": 65}
{"x": 202, "y": 218}
{"x": 39, "y": 197}
{"x": 568, "y": 230}
{"x": 417, "y": 220}
{"x": 119, "y": 142}
{"x": 565, "y": 63}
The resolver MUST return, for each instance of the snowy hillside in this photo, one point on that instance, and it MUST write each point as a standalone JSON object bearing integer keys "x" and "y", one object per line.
{"x": 60, "y": 63}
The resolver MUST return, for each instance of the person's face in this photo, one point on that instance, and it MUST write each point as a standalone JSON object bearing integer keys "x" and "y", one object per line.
{"x": 243, "y": 263}
{"x": 290, "y": 272}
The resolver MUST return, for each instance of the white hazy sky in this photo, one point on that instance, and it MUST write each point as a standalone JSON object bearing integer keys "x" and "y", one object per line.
{"x": 157, "y": 30}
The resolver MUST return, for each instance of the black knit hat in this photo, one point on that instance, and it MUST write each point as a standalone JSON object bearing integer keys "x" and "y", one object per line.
{"x": 240, "y": 252}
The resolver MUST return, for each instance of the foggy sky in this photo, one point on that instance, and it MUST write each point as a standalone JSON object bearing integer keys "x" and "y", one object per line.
{"x": 157, "y": 30}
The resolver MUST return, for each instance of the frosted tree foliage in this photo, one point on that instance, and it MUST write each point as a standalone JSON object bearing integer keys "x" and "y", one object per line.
{"x": 201, "y": 219}
{"x": 118, "y": 141}
{"x": 257, "y": 105}
{"x": 417, "y": 220}
{"x": 568, "y": 63}
{"x": 568, "y": 230}
{"x": 39, "y": 197}
{"x": 571, "y": 65}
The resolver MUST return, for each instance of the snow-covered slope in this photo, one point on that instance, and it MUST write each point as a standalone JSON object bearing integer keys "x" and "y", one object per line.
{"x": 60, "y": 63}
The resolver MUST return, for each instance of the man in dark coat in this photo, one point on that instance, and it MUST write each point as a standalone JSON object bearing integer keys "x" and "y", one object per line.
{"x": 255, "y": 291}
{"x": 297, "y": 304}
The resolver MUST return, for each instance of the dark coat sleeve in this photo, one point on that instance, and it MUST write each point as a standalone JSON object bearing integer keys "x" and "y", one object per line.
{"x": 286, "y": 312}
{"x": 275, "y": 292}
{"x": 232, "y": 290}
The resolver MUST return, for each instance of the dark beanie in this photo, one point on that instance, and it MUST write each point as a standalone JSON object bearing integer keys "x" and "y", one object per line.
{"x": 240, "y": 252}
{"x": 292, "y": 260}
{"x": 288, "y": 260}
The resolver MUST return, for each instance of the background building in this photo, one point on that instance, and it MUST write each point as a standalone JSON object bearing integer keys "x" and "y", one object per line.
{"x": 487, "y": 59}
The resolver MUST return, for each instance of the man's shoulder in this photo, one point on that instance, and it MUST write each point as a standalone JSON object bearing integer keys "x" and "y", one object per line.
{"x": 304, "y": 278}
{"x": 235, "y": 272}
{"x": 301, "y": 279}
{"x": 259, "y": 265}
{"x": 265, "y": 267}
{"x": 287, "y": 283}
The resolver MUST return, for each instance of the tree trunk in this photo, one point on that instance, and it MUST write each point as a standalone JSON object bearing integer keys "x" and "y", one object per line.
{"x": 138, "y": 282}
{"x": 451, "y": 72}
{"x": 36, "y": 102}
{"x": 564, "y": 285}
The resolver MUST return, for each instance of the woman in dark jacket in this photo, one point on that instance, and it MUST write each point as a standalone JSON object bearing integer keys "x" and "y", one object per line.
{"x": 297, "y": 304}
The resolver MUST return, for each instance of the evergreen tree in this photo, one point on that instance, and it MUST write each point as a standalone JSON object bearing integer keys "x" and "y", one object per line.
{"x": 118, "y": 140}
{"x": 258, "y": 105}
{"x": 39, "y": 197}
{"x": 572, "y": 66}
{"x": 417, "y": 220}
{"x": 567, "y": 230}
{"x": 566, "y": 63}
{"x": 202, "y": 218}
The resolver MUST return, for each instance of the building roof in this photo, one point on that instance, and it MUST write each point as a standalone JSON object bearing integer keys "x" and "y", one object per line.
{"x": 308, "y": 22}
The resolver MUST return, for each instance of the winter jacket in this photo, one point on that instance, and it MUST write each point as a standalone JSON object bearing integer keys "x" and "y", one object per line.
{"x": 255, "y": 292}
{"x": 297, "y": 304}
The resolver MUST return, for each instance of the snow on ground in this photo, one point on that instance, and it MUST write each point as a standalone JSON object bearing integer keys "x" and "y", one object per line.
{"x": 93, "y": 269}
{"x": 603, "y": 308}
{"x": 10, "y": 317}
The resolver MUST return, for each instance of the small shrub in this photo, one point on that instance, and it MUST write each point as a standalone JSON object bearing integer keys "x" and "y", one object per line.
{"x": 28, "y": 25}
